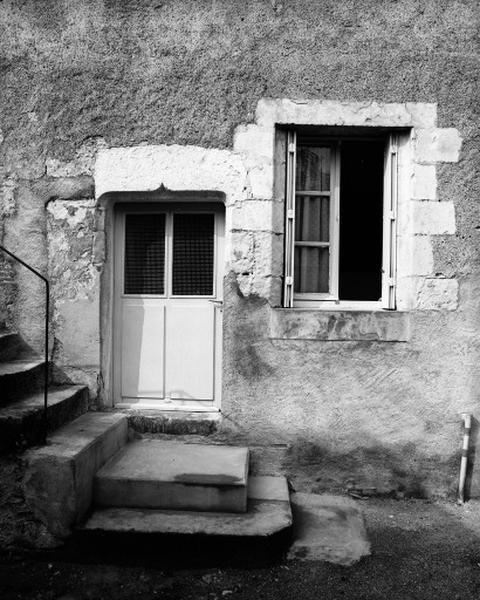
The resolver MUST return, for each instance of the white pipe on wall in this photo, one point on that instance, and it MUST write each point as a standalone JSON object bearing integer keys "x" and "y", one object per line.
{"x": 467, "y": 423}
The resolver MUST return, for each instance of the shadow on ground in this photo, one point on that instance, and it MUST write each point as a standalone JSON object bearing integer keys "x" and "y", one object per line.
{"x": 420, "y": 550}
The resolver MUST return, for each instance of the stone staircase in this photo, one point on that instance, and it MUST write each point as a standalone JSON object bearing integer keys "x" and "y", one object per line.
{"x": 97, "y": 475}
{"x": 21, "y": 396}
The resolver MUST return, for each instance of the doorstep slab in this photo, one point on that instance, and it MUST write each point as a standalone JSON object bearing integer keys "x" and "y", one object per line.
{"x": 161, "y": 474}
{"x": 329, "y": 528}
{"x": 264, "y": 516}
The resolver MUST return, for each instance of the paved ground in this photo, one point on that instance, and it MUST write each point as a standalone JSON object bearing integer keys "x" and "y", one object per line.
{"x": 421, "y": 550}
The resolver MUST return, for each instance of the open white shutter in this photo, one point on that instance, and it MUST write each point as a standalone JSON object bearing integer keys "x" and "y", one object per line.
{"x": 390, "y": 223}
{"x": 290, "y": 220}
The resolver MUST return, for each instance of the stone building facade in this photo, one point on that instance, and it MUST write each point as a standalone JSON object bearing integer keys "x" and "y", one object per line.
{"x": 111, "y": 109}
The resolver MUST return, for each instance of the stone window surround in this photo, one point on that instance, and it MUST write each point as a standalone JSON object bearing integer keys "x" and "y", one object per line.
{"x": 420, "y": 214}
{"x": 254, "y": 212}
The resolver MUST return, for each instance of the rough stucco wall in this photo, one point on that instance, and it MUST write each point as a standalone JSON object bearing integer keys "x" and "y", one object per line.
{"x": 189, "y": 73}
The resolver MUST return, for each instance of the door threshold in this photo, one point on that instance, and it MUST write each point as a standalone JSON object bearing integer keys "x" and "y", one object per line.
{"x": 159, "y": 406}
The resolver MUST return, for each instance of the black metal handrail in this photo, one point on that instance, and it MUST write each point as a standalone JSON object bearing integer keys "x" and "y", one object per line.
{"x": 47, "y": 310}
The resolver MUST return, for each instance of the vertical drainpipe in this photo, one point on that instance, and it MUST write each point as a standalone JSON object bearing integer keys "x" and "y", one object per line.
{"x": 467, "y": 423}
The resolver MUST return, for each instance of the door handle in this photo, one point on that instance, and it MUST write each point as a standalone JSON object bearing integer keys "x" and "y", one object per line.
{"x": 217, "y": 303}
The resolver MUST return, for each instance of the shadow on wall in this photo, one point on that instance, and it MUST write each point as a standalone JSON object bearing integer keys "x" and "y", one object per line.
{"x": 373, "y": 469}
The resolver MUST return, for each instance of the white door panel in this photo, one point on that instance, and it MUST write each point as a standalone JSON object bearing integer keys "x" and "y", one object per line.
{"x": 190, "y": 358}
{"x": 142, "y": 348}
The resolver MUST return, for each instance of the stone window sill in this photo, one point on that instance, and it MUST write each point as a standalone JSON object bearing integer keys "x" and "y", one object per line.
{"x": 339, "y": 325}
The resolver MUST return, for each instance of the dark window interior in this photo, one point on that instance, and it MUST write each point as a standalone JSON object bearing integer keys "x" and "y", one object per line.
{"x": 361, "y": 219}
{"x": 144, "y": 253}
{"x": 193, "y": 254}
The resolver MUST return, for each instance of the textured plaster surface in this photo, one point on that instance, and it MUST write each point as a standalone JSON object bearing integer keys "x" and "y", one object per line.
{"x": 208, "y": 81}
{"x": 75, "y": 279}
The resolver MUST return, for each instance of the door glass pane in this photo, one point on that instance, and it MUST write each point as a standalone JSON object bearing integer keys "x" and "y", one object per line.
{"x": 313, "y": 169}
{"x": 311, "y": 270}
{"x": 193, "y": 254}
{"x": 312, "y": 215}
{"x": 144, "y": 254}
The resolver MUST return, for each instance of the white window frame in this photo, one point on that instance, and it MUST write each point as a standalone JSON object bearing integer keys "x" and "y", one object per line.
{"x": 389, "y": 252}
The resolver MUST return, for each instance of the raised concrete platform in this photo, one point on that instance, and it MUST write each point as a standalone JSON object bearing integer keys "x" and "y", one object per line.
{"x": 268, "y": 513}
{"x": 22, "y": 421}
{"x": 58, "y": 480}
{"x": 161, "y": 474}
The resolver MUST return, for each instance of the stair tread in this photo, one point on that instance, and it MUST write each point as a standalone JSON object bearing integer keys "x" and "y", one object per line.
{"x": 179, "y": 462}
{"x": 76, "y": 436}
{"x": 19, "y": 366}
{"x": 265, "y": 516}
{"x": 4, "y": 333}
{"x": 34, "y": 401}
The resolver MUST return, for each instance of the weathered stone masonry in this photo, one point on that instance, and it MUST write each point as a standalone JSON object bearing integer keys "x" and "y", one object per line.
{"x": 330, "y": 397}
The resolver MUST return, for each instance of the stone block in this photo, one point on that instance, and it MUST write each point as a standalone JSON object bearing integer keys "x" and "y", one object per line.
{"x": 177, "y": 168}
{"x": 291, "y": 324}
{"x": 433, "y": 218}
{"x": 260, "y": 178}
{"x": 437, "y": 294}
{"x": 437, "y": 145}
{"x": 422, "y": 255}
{"x": 405, "y": 292}
{"x": 422, "y": 114}
{"x": 424, "y": 182}
{"x": 242, "y": 252}
{"x": 320, "y": 112}
{"x": 59, "y": 477}
{"x": 253, "y": 215}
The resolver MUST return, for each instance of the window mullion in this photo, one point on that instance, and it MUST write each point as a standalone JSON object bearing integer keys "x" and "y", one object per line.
{"x": 290, "y": 220}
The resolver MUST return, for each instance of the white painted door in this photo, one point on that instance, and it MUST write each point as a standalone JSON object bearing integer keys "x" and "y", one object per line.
{"x": 169, "y": 314}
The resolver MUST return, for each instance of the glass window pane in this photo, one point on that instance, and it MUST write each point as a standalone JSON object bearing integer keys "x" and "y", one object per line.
{"x": 311, "y": 270}
{"x": 193, "y": 254}
{"x": 313, "y": 169}
{"x": 312, "y": 219}
{"x": 144, "y": 254}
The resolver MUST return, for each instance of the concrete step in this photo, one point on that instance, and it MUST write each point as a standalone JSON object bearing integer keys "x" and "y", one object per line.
{"x": 173, "y": 422}
{"x": 268, "y": 512}
{"x": 19, "y": 378}
{"x": 11, "y": 345}
{"x": 58, "y": 479}
{"x": 151, "y": 473}
{"x": 21, "y": 423}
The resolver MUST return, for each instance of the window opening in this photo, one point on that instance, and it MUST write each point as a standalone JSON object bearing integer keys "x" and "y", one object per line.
{"x": 340, "y": 218}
